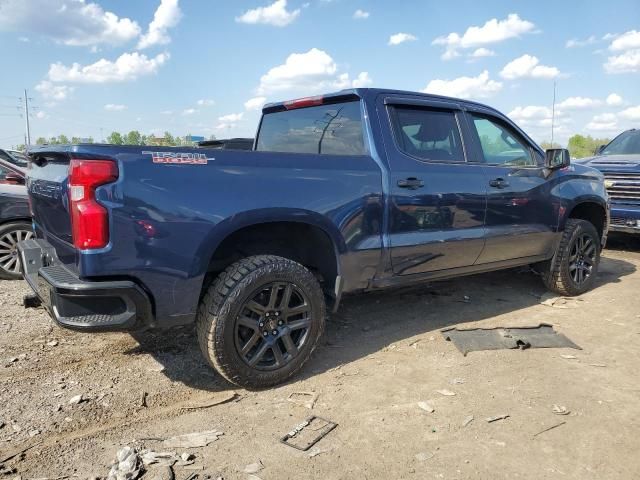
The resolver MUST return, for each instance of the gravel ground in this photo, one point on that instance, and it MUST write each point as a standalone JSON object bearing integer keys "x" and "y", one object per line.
{"x": 381, "y": 355}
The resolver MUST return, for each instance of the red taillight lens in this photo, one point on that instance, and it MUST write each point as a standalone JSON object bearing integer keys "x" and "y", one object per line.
{"x": 304, "y": 102}
{"x": 89, "y": 219}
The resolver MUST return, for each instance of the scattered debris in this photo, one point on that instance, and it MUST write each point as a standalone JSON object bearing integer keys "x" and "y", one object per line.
{"x": 457, "y": 381}
{"x": 569, "y": 357}
{"x": 193, "y": 440}
{"x": 426, "y": 407}
{"x": 497, "y": 417}
{"x": 127, "y": 465}
{"x": 212, "y": 401}
{"x": 16, "y": 452}
{"x": 446, "y": 393}
{"x": 424, "y": 456}
{"x": 254, "y": 467}
{"x": 551, "y": 300}
{"x": 77, "y": 399}
{"x": 150, "y": 457}
{"x": 550, "y": 428}
{"x": 467, "y": 420}
{"x": 308, "y": 433}
{"x": 187, "y": 457}
{"x": 560, "y": 410}
{"x": 598, "y": 364}
{"x": 53, "y": 343}
{"x": 315, "y": 451}
{"x": 475, "y": 339}
{"x": 143, "y": 399}
{"x": 306, "y": 399}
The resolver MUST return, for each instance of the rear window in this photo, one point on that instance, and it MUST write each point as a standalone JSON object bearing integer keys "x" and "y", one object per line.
{"x": 326, "y": 129}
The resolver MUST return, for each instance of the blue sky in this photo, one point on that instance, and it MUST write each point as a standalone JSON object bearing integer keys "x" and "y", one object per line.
{"x": 205, "y": 67}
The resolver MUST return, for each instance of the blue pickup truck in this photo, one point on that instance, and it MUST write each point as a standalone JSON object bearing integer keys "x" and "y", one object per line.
{"x": 357, "y": 190}
{"x": 619, "y": 161}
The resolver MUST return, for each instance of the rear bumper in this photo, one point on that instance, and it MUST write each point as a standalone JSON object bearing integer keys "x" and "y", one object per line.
{"x": 81, "y": 304}
{"x": 625, "y": 219}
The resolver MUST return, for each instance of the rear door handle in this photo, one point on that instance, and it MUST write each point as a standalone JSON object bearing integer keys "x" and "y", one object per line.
{"x": 499, "y": 183}
{"x": 411, "y": 183}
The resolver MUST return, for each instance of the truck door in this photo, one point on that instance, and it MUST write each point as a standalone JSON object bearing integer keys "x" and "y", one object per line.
{"x": 521, "y": 217}
{"x": 437, "y": 207}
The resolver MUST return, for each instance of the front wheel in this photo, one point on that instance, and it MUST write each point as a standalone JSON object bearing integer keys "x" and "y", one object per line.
{"x": 572, "y": 270}
{"x": 260, "y": 320}
{"x": 10, "y": 235}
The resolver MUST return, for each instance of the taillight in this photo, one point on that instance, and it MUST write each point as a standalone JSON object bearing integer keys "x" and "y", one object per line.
{"x": 89, "y": 219}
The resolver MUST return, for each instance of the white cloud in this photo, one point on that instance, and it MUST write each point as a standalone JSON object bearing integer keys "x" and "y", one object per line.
{"x": 167, "y": 15}
{"x": 255, "y": 103}
{"x": 573, "y": 103}
{"x": 575, "y": 42}
{"x": 493, "y": 31}
{"x": 631, "y": 113}
{"x": 52, "y": 92}
{"x": 614, "y": 100}
{"x": 482, "y": 52}
{"x": 114, "y": 107}
{"x": 626, "y": 41}
{"x": 529, "y": 113}
{"x": 167, "y": 112}
{"x": 127, "y": 66}
{"x": 42, "y": 115}
{"x": 363, "y": 80}
{"x": 205, "y": 102}
{"x": 605, "y": 122}
{"x": 275, "y": 14}
{"x": 76, "y": 22}
{"x": 528, "y": 66}
{"x": 231, "y": 118}
{"x": 300, "y": 71}
{"x": 398, "y": 38}
{"x": 189, "y": 111}
{"x": 360, "y": 14}
{"x": 465, "y": 87}
{"x": 627, "y": 62}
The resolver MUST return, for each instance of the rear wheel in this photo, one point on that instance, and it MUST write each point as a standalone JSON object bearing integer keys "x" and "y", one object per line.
{"x": 260, "y": 320}
{"x": 10, "y": 235}
{"x": 573, "y": 268}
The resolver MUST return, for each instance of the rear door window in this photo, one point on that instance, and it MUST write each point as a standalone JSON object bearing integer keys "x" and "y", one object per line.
{"x": 334, "y": 129}
{"x": 428, "y": 134}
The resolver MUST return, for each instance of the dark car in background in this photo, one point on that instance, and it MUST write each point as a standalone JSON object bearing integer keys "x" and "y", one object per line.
{"x": 15, "y": 220}
{"x": 619, "y": 160}
{"x": 14, "y": 157}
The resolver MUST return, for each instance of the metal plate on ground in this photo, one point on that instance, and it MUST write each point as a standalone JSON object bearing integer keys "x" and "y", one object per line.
{"x": 308, "y": 433}
{"x": 475, "y": 339}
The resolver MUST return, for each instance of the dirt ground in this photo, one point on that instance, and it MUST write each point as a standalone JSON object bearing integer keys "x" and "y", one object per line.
{"x": 381, "y": 355}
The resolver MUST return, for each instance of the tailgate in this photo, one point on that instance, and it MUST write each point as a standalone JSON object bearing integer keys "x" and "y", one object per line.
{"x": 48, "y": 194}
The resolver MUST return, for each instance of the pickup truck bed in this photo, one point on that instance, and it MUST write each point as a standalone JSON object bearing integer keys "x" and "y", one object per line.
{"x": 347, "y": 192}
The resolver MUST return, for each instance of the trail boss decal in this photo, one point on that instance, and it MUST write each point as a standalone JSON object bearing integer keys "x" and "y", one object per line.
{"x": 179, "y": 158}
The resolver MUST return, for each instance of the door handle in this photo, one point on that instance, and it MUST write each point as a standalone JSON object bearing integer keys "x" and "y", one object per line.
{"x": 411, "y": 183}
{"x": 499, "y": 183}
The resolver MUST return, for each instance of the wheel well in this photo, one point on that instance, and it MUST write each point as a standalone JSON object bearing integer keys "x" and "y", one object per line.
{"x": 306, "y": 244}
{"x": 592, "y": 213}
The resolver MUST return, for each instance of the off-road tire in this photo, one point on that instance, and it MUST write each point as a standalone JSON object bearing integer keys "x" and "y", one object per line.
{"x": 555, "y": 272}
{"x": 4, "y": 230}
{"x": 223, "y": 301}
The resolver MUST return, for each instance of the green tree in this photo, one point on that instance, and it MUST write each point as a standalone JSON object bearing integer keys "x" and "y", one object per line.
{"x": 115, "y": 139}
{"x": 133, "y": 138}
{"x": 169, "y": 139}
{"x": 41, "y": 141}
{"x": 76, "y": 140}
{"x": 63, "y": 140}
{"x": 546, "y": 145}
{"x": 581, "y": 146}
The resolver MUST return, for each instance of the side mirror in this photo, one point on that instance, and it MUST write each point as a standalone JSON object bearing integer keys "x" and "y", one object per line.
{"x": 555, "y": 158}
{"x": 599, "y": 150}
{"x": 12, "y": 178}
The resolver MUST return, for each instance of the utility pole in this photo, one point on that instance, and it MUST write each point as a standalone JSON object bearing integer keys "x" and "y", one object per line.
{"x": 26, "y": 119}
{"x": 553, "y": 112}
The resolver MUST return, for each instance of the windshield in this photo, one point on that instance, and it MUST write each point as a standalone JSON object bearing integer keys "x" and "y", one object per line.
{"x": 19, "y": 158}
{"x": 627, "y": 143}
